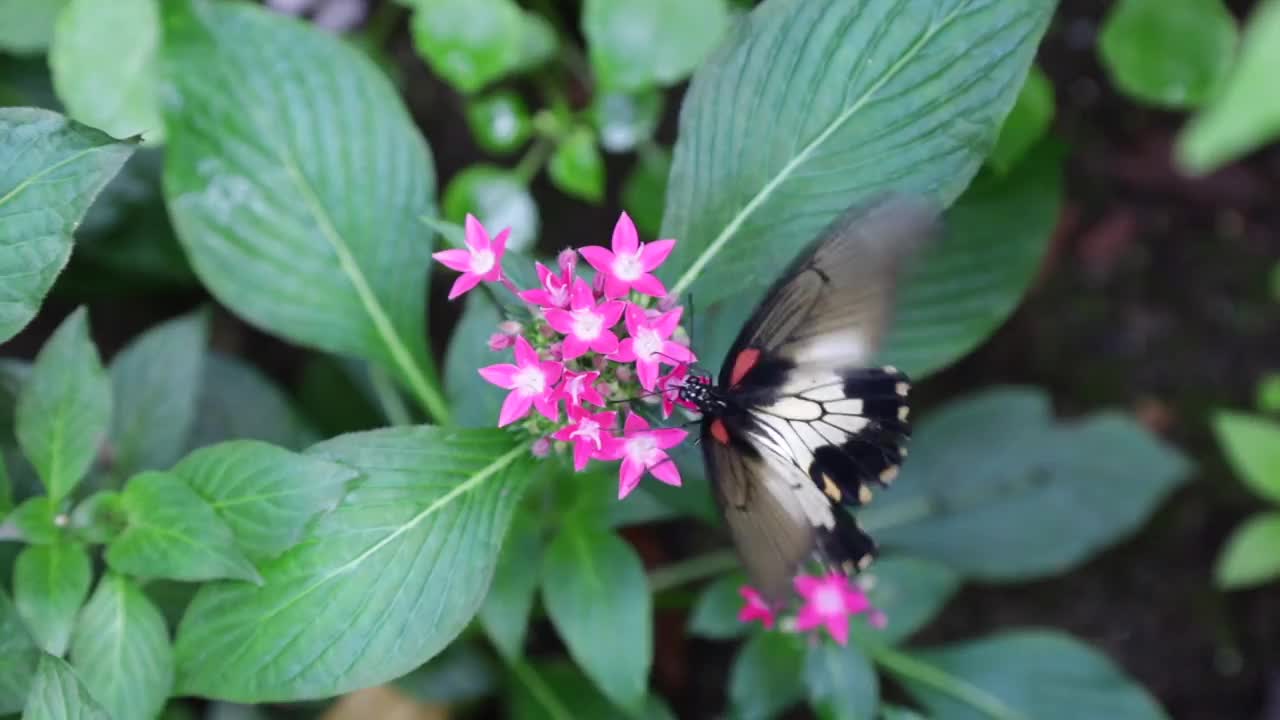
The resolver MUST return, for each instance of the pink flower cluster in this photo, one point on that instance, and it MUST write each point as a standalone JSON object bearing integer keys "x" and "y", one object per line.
{"x": 585, "y": 344}
{"x": 829, "y": 601}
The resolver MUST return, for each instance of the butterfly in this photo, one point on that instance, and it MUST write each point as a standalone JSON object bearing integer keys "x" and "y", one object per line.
{"x": 798, "y": 426}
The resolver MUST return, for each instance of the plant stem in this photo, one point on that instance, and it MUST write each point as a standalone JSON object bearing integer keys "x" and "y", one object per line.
{"x": 904, "y": 666}
{"x": 389, "y": 399}
{"x": 695, "y": 568}
{"x": 533, "y": 160}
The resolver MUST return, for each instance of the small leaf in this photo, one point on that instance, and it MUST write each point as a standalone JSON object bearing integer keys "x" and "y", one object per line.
{"x": 499, "y": 122}
{"x": 239, "y": 402}
{"x": 1252, "y": 444}
{"x": 58, "y": 694}
{"x": 26, "y": 27}
{"x": 911, "y": 592}
{"x": 65, "y": 407}
{"x": 99, "y": 518}
{"x": 104, "y": 60}
{"x": 715, "y": 612}
{"x": 538, "y": 41}
{"x": 1269, "y": 393}
{"x": 1167, "y": 54}
{"x": 766, "y": 676}
{"x": 471, "y": 43}
{"x": 577, "y": 168}
{"x": 624, "y": 120}
{"x": 155, "y": 383}
{"x": 265, "y": 494}
{"x": 50, "y": 583}
{"x": 34, "y": 519}
{"x": 378, "y": 586}
{"x": 1245, "y": 112}
{"x": 172, "y": 533}
{"x": 505, "y": 612}
{"x": 841, "y": 682}
{"x": 1027, "y": 122}
{"x": 644, "y": 190}
{"x": 1033, "y": 674}
{"x": 119, "y": 629}
{"x": 498, "y": 199}
{"x": 1252, "y": 554}
{"x": 18, "y": 657}
{"x": 51, "y": 169}
{"x": 554, "y": 691}
{"x": 636, "y": 44}
{"x": 596, "y": 593}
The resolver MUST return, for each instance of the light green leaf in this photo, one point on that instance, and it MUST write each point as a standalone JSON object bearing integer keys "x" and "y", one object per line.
{"x": 1269, "y": 393}
{"x": 65, "y": 407}
{"x": 624, "y": 120}
{"x": 1027, "y": 122}
{"x": 265, "y": 494}
{"x": 239, "y": 402}
{"x": 18, "y": 657}
{"x": 577, "y": 168}
{"x": 298, "y": 202}
{"x": 1245, "y": 112}
{"x": 766, "y": 677}
{"x": 471, "y": 43}
{"x": 99, "y": 518}
{"x": 715, "y": 612}
{"x": 1030, "y": 674}
{"x": 172, "y": 533}
{"x": 636, "y": 44}
{"x": 596, "y": 593}
{"x": 26, "y": 26}
{"x": 499, "y": 122}
{"x": 51, "y": 169}
{"x": 120, "y": 629}
{"x": 910, "y": 591}
{"x": 810, "y": 107}
{"x": 1252, "y": 444}
{"x": 841, "y": 681}
{"x": 1169, "y": 54}
{"x": 505, "y": 612}
{"x": 104, "y": 61}
{"x": 378, "y": 586}
{"x": 1252, "y": 554}
{"x": 498, "y": 199}
{"x": 996, "y": 490}
{"x": 50, "y": 583}
{"x": 538, "y": 42}
{"x": 58, "y": 694}
{"x": 34, "y": 519}
{"x": 476, "y": 402}
{"x": 644, "y": 190}
{"x": 155, "y": 383}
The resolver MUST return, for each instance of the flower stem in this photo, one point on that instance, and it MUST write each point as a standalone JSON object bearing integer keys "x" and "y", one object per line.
{"x": 908, "y": 668}
{"x": 532, "y": 161}
{"x": 695, "y": 568}
{"x": 389, "y": 399}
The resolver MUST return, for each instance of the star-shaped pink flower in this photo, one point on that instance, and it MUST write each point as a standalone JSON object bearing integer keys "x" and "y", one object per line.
{"x": 589, "y": 432}
{"x": 531, "y": 382}
{"x": 669, "y": 386}
{"x": 754, "y": 607}
{"x": 641, "y": 449}
{"x": 650, "y": 344}
{"x": 577, "y": 388}
{"x": 630, "y": 264}
{"x": 481, "y": 260}
{"x": 554, "y": 290}
{"x": 585, "y": 325}
{"x": 828, "y": 602}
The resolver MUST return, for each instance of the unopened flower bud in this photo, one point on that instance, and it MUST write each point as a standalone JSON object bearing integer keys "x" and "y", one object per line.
{"x": 568, "y": 261}
{"x": 499, "y": 342}
{"x": 556, "y": 350}
{"x": 541, "y": 447}
{"x": 510, "y": 327}
{"x": 625, "y": 374}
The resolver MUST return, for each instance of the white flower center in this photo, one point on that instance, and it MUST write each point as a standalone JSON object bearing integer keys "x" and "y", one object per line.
{"x": 530, "y": 381}
{"x": 587, "y": 324}
{"x": 628, "y": 267}
{"x": 482, "y": 261}
{"x": 648, "y": 342}
{"x": 589, "y": 429}
{"x": 642, "y": 448}
{"x": 828, "y": 600}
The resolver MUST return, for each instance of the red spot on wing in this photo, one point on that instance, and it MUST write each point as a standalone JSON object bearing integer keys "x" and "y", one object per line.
{"x": 742, "y": 364}
{"x": 719, "y": 431}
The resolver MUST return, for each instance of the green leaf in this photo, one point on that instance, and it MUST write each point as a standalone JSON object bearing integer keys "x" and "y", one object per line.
{"x": 99, "y": 518}
{"x": 58, "y": 694}
{"x": 577, "y": 168}
{"x": 119, "y": 629}
{"x": 505, "y": 612}
{"x": 715, "y": 612}
{"x": 1032, "y": 674}
{"x": 476, "y": 402}
{"x": 65, "y": 407}
{"x": 337, "y": 395}
{"x": 6, "y": 489}
{"x": 1167, "y": 54}
{"x": 265, "y": 494}
{"x": 26, "y": 26}
{"x": 463, "y": 672}
{"x": 50, "y": 583}
{"x": 841, "y": 682}
{"x": 555, "y": 691}
{"x": 1244, "y": 113}
{"x": 471, "y": 43}
{"x": 810, "y": 107}
{"x": 1252, "y": 554}
{"x": 155, "y": 381}
{"x": 18, "y": 657}
{"x": 172, "y": 533}
{"x": 636, "y": 44}
{"x": 644, "y": 190}
{"x": 378, "y": 586}
{"x": 499, "y": 122}
{"x": 1269, "y": 393}
{"x": 766, "y": 676}
{"x": 239, "y": 402}
{"x": 1027, "y": 122}
{"x": 538, "y": 41}
{"x": 104, "y": 61}
{"x": 51, "y": 169}
{"x": 34, "y": 519}
{"x": 910, "y": 591}
{"x": 996, "y": 490}
{"x": 299, "y": 202}
{"x": 624, "y": 120}
{"x": 1252, "y": 444}
{"x": 498, "y": 199}
{"x": 596, "y": 593}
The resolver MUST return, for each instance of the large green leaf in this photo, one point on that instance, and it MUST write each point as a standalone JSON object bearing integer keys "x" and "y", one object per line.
{"x": 811, "y": 106}
{"x": 27, "y": 25}
{"x": 715, "y": 612}
{"x": 155, "y": 382}
{"x": 58, "y": 694}
{"x": 103, "y": 59}
{"x": 377, "y": 586}
{"x": 595, "y": 590}
{"x": 238, "y": 402}
{"x": 121, "y": 629}
{"x": 51, "y": 169}
{"x": 65, "y": 407}
{"x": 1030, "y": 674}
{"x": 1026, "y": 123}
{"x": 265, "y": 494}
{"x": 995, "y": 489}
{"x": 476, "y": 402}
{"x": 767, "y": 675}
{"x": 1252, "y": 554}
{"x": 910, "y": 591}
{"x": 18, "y": 657}
{"x": 295, "y": 179}
{"x": 505, "y": 612}
{"x": 50, "y": 583}
{"x": 1252, "y": 444}
{"x": 636, "y": 44}
{"x": 1170, "y": 54}
{"x": 841, "y": 681}
{"x": 469, "y": 43}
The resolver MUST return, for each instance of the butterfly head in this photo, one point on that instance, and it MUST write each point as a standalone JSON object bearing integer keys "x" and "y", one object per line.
{"x": 698, "y": 391}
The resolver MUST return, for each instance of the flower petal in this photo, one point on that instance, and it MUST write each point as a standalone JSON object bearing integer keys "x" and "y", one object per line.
{"x": 551, "y": 370}
{"x": 666, "y": 471}
{"x": 838, "y": 627}
{"x": 582, "y": 451}
{"x": 647, "y": 371}
{"x": 537, "y": 297}
{"x": 574, "y": 347}
{"x": 626, "y": 351}
{"x": 525, "y": 354}
{"x": 514, "y": 407}
{"x": 655, "y": 253}
{"x": 649, "y": 285}
{"x": 675, "y": 351}
{"x": 625, "y": 240}
{"x": 667, "y": 322}
{"x": 499, "y": 245}
{"x": 635, "y": 319}
{"x": 502, "y": 375}
{"x": 635, "y": 424}
{"x": 600, "y": 258}
{"x": 582, "y": 297}
{"x": 560, "y": 320}
{"x": 547, "y": 404}
{"x": 615, "y": 288}
{"x": 606, "y": 342}
{"x": 465, "y": 282}
{"x": 806, "y": 585}
{"x": 629, "y": 475}
{"x": 612, "y": 312}
{"x": 669, "y": 437}
{"x": 476, "y": 237}
{"x": 455, "y": 259}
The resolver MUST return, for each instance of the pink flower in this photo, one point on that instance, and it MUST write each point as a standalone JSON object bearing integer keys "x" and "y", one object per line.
{"x": 755, "y": 608}
{"x": 669, "y": 385}
{"x": 829, "y": 601}
{"x": 650, "y": 344}
{"x": 554, "y": 292}
{"x": 577, "y": 388}
{"x": 482, "y": 260}
{"x": 585, "y": 325}
{"x": 530, "y": 381}
{"x": 642, "y": 449}
{"x": 631, "y": 263}
{"x": 588, "y": 432}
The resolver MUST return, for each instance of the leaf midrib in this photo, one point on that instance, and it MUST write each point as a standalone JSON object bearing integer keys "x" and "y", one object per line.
{"x": 28, "y": 181}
